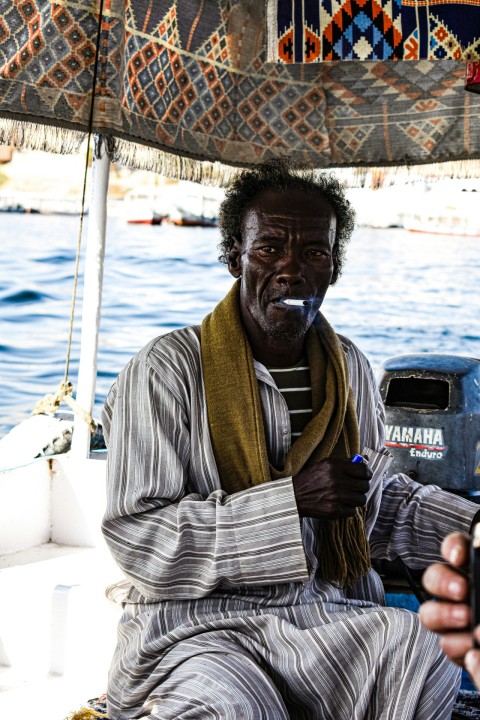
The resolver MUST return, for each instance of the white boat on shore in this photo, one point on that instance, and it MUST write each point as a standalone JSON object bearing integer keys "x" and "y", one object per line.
{"x": 448, "y": 207}
{"x": 451, "y": 209}
{"x": 182, "y": 203}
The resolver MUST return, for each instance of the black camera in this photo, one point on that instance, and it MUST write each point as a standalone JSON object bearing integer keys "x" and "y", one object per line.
{"x": 475, "y": 577}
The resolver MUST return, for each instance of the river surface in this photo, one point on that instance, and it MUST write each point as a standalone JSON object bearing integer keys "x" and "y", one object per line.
{"x": 400, "y": 293}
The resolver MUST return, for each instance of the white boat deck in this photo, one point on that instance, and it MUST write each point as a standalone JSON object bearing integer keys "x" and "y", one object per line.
{"x": 57, "y": 629}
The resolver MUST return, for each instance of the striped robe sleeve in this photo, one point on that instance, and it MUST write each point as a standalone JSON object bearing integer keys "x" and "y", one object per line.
{"x": 413, "y": 520}
{"x": 172, "y": 543}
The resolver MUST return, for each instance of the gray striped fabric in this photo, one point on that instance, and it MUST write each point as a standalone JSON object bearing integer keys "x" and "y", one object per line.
{"x": 224, "y": 615}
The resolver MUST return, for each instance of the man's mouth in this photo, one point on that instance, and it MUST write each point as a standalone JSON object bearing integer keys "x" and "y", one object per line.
{"x": 293, "y": 302}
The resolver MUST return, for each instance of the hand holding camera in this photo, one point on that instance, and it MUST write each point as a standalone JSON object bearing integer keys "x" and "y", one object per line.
{"x": 456, "y": 613}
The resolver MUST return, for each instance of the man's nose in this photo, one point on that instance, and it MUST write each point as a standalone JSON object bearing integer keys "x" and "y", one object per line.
{"x": 290, "y": 269}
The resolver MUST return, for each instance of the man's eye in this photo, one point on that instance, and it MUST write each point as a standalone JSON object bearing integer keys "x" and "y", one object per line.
{"x": 268, "y": 249}
{"x": 314, "y": 252}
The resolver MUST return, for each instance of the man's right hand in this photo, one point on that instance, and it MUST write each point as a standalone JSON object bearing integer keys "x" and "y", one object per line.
{"x": 331, "y": 489}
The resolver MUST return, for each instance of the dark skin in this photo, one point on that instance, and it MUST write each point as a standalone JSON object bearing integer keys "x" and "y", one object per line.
{"x": 285, "y": 251}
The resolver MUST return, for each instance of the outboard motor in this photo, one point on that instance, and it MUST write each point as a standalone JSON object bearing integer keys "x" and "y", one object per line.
{"x": 432, "y": 405}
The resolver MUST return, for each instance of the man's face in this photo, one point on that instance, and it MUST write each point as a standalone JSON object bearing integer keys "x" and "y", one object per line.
{"x": 285, "y": 252}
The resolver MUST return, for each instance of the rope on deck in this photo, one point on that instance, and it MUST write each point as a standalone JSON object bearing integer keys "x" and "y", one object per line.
{"x": 51, "y": 402}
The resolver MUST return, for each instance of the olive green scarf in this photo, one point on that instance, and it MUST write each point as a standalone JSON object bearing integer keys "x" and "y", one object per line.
{"x": 237, "y": 431}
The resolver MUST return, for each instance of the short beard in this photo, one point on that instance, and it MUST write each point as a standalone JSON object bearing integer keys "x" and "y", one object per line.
{"x": 287, "y": 333}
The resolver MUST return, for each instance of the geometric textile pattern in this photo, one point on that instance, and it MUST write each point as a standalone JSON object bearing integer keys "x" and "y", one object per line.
{"x": 192, "y": 79}
{"x": 307, "y": 31}
{"x": 335, "y": 30}
{"x": 442, "y": 31}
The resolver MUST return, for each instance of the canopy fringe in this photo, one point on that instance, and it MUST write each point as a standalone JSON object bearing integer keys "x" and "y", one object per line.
{"x": 377, "y": 177}
{"x": 38, "y": 136}
{"x": 178, "y": 167}
{"x": 142, "y": 157}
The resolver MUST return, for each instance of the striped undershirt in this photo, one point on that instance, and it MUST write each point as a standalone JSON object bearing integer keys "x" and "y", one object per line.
{"x": 295, "y": 386}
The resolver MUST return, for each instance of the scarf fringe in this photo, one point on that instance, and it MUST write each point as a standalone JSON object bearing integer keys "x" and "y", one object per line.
{"x": 345, "y": 551}
{"x": 38, "y": 136}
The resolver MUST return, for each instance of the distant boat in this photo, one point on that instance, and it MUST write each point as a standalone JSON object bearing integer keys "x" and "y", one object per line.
{"x": 19, "y": 209}
{"x": 181, "y": 203}
{"x": 448, "y": 207}
{"x": 62, "y": 211}
{"x": 192, "y": 221}
{"x": 143, "y": 207}
{"x": 198, "y": 207}
{"x": 458, "y": 225}
{"x": 155, "y": 219}
{"x": 451, "y": 210}
{"x": 32, "y": 204}
{"x": 443, "y": 230}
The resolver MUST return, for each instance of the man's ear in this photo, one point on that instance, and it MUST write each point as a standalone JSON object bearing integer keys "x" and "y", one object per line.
{"x": 235, "y": 259}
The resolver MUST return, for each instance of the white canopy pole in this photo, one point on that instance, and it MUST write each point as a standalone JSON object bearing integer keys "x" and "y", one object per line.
{"x": 92, "y": 298}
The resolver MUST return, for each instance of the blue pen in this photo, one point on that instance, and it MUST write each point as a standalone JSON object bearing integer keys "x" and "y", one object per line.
{"x": 357, "y": 458}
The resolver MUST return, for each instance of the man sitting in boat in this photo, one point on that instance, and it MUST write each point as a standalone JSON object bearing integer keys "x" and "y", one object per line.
{"x": 243, "y": 527}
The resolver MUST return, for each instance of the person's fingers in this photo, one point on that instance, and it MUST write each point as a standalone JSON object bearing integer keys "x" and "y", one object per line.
{"x": 442, "y": 581}
{"x": 456, "y": 645}
{"x": 344, "y": 511}
{"x": 441, "y": 616}
{"x": 351, "y": 486}
{"x": 476, "y": 633}
{"x": 354, "y": 470}
{"x": 361, "y": 486}
{"x": 353, "y": 499}
{"x": 472, "y": 664}
{"x": 455, "y": 549}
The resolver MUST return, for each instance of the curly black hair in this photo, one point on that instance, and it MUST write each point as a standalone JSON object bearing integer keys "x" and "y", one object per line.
{"x": 281, "y": 175}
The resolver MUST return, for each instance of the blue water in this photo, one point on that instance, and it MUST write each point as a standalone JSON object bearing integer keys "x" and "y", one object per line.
{"x": 400, "y": 293}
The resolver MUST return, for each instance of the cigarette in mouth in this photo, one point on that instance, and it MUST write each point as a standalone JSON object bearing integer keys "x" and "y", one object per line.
{"x": 297, "y": 303}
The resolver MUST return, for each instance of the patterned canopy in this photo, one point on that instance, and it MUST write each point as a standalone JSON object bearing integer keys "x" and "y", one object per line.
{"x": 179, "y": 82}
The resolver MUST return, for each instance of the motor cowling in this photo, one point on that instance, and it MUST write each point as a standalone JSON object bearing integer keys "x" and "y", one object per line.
{"x": 432, "y": 407}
